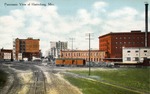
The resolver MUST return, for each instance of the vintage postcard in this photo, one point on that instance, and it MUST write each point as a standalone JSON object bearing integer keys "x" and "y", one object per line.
{"x": 74, "y": 47}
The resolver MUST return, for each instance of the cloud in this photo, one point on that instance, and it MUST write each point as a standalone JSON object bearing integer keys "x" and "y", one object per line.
{"x": 100, "y": 6}
{"x": 124, "y": 20}
{"x": 47, "y": 24}
{"x": 124, "y": 12}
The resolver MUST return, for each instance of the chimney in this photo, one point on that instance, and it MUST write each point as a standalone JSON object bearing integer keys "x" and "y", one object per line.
{"x": 146, "y": 24}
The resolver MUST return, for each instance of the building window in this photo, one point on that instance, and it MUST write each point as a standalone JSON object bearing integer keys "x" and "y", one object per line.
{"x": 128, "y": 51}
{"x": 136, "y": 51}
{"x": 128, "y": 58}
{"x": 136, "y": 59}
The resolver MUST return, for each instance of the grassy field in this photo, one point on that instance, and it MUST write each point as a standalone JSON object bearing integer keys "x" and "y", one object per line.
{"x": 136, "y": 79}
{"x": 3, "y": 78}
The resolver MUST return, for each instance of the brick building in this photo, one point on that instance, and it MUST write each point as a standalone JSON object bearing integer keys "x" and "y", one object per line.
{"x": 26, "y": 48}
{"x": 113, "y": 43}
{"x": 6, "y": 55}
{"x": 96, "y": 55}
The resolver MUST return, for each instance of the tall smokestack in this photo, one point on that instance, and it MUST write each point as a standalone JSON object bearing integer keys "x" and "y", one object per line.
{"x": 146, "y": 24}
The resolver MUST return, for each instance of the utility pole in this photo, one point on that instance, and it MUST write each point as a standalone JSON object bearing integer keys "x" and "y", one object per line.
{"x": 146, "y": 24}
{"x": 89, "y": 56}
{"x": 89, "y": 37}
{"x": 72, "y": 39}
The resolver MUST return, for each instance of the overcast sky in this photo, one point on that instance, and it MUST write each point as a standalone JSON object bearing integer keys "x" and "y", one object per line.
{"x": 68, "y": 19}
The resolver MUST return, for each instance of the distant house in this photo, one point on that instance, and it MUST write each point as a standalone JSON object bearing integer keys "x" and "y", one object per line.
{"x": 6, "y": 55}
{"x": 135, "y": 54}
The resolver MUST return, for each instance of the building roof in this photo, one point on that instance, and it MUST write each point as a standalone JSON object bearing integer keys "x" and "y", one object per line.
{"x": 70, "y": 59}
{"x": 29, "y": 38}
{"x": 136, "y": 47}
{"x": 114, "y": 33}
{"x": 82, "y": 51}
{"x": 6, "y": 50}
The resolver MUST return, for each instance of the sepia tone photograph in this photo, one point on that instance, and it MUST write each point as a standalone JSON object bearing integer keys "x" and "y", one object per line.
{"x": 74, "y": 47}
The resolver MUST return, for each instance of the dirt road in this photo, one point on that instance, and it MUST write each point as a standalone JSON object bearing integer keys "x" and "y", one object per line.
{"x": 35, "y": 79}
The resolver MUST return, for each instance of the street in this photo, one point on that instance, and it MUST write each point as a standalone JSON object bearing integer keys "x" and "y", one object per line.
{"x": 36, "y": 78}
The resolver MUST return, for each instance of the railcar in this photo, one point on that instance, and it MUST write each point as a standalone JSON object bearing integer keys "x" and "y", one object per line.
{"x": 69, "y": 62}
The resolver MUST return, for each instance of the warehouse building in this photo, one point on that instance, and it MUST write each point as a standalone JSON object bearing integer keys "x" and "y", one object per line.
{"x": 135, "y": 54}
{"x": 26, "y": 48}
{"x": 95, "y": 55}
{"x": 113, "y": 43}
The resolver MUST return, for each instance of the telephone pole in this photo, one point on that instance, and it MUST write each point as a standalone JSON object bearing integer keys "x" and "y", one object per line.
{"x": 72, "y": 39}
{"x": 89, "y": 38}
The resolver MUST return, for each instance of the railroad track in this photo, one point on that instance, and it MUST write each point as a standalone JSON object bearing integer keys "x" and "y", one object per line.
{"x": 15, "y": 86}
{"x": 35, "y": 85}
{"x": 33, "y": 79}
{"x": 39, "y": 83}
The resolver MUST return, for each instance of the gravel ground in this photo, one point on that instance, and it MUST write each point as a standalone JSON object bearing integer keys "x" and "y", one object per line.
{"x": 36, "y": 79}
{"x": 56, "y": 84}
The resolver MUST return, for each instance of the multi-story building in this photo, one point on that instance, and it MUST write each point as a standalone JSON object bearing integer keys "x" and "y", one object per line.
{"x": 56, "y": 47}
{"x": 113, "y": 43}
{"x": 135, "y": 54}
{"x": 26, "y": 48}
{"x": 6, "y": 55}
{"x": 95, "y": 55}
